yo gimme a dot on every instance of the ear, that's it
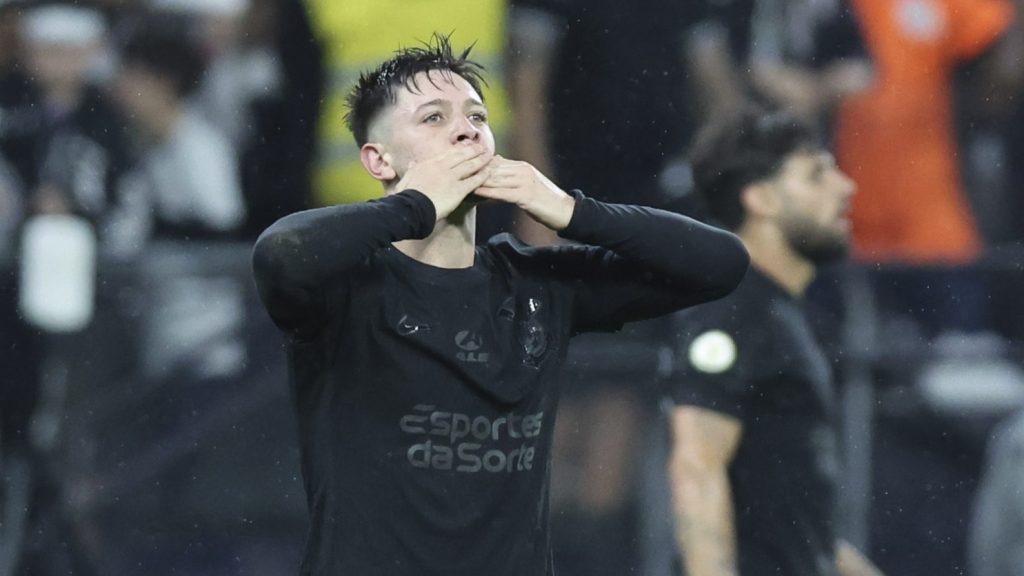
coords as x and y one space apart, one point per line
377 161
760 200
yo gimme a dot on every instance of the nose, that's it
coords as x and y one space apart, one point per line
465 132
844 186
849 186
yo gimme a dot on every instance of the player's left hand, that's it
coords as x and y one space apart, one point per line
521 184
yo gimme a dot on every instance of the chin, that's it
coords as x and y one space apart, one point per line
825 252
820 248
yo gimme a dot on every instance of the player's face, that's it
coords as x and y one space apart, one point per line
440 112
815 198
60 65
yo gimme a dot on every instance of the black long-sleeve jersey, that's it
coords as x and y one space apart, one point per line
753 356
426 396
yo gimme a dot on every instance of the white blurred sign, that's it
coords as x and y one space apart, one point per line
58 272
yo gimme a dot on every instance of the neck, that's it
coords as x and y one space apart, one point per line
452 244
773 256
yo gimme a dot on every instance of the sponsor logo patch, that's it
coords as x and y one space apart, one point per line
454 441
712 352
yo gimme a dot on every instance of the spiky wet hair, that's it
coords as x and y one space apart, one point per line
378 88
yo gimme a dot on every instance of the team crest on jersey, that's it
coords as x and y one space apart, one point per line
712 352
532 335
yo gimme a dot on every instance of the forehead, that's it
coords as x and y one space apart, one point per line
808 158
434 85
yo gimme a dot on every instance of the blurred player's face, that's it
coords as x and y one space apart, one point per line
144 94
444 112
815 201
60 66
222 33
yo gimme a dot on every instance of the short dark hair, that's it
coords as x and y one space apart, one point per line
376 89
736 150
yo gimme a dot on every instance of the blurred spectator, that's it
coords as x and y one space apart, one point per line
188 169
64 136
242 95
189 174
612 142
804 57
996 542
897 141
807 56
346 35
240 69
64 140
182 337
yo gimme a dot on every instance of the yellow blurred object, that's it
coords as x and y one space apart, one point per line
357 35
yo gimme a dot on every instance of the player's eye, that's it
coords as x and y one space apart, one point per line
433 118
478 117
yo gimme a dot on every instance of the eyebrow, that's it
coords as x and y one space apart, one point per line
823 160
444 103
434 102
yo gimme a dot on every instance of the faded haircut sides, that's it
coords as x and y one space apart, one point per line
378 88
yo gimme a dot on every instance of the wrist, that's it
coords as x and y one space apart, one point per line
578 214
566 206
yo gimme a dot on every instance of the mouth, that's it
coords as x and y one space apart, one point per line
473 200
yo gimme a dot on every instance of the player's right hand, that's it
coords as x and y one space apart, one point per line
448 178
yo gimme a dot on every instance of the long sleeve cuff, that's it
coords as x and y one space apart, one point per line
422 215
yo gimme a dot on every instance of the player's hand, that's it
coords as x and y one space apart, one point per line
521 184
448 178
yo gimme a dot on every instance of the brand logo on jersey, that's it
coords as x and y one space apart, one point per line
408 326
470 444
712 352
470 342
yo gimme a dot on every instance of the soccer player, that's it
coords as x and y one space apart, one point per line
425 367
754 463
